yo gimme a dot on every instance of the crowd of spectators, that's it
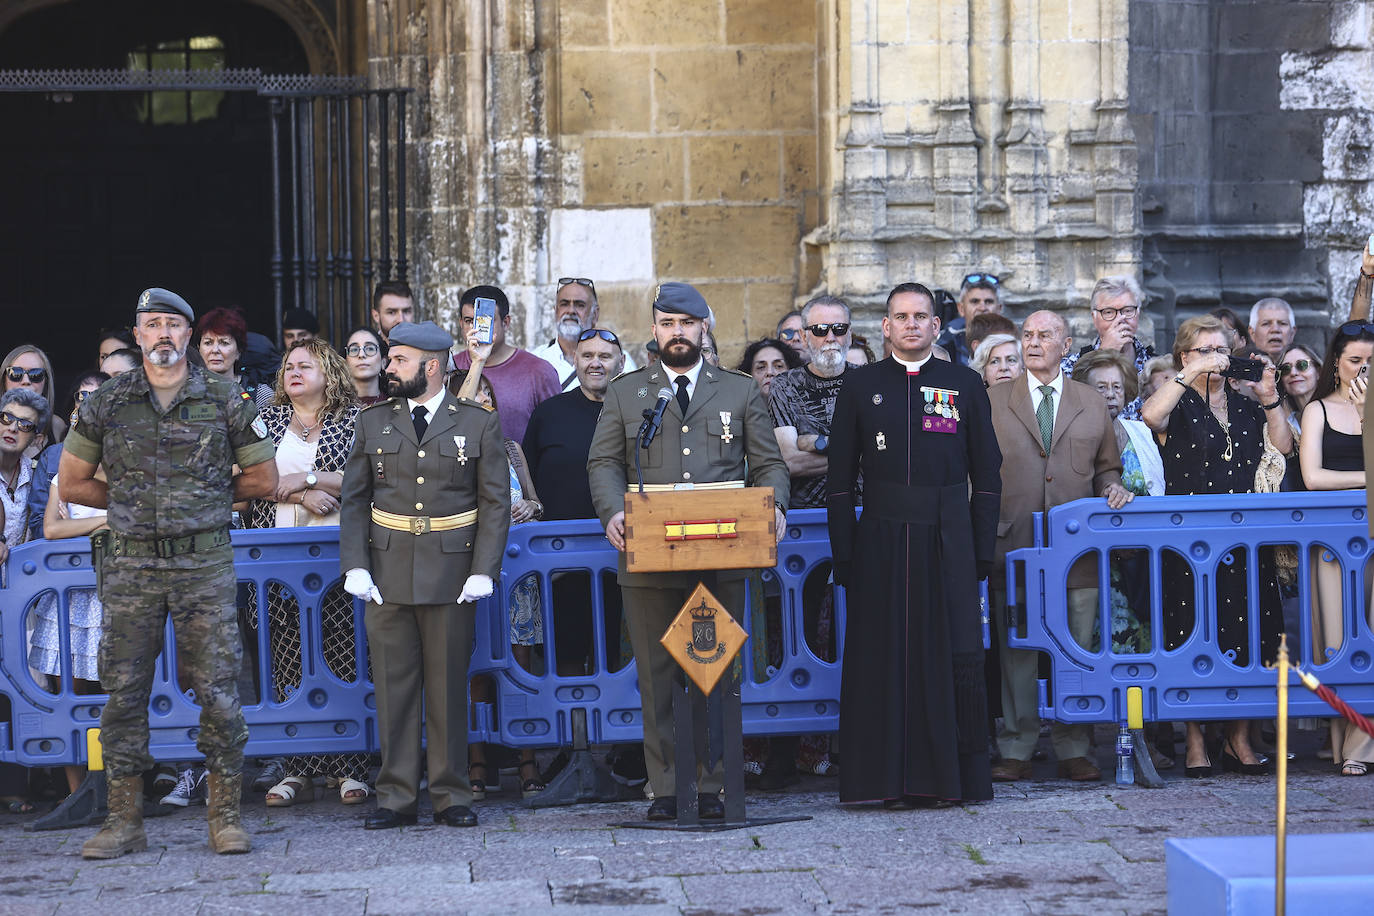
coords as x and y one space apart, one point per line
1180 423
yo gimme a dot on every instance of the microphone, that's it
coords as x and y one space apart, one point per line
654 419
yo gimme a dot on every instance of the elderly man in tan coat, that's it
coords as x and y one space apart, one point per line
1057 446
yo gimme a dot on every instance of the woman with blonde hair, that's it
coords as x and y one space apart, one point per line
311 419
26 366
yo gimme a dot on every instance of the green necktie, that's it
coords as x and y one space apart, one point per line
1044 414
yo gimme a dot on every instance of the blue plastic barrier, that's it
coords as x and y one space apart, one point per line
326 714
1195 681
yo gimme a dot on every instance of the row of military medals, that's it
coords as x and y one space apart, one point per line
941 401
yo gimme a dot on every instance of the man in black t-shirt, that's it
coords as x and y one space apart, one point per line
557 442
802 401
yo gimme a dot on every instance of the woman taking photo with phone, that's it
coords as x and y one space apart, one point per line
1212 439
1332 456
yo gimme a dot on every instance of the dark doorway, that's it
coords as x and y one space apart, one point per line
106 193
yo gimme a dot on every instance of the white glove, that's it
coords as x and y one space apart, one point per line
476 587
358 583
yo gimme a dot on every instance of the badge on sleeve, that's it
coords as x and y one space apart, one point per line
259 427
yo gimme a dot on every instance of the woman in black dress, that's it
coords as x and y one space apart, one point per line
1212 440
1332 456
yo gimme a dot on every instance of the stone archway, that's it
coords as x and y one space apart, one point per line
302 16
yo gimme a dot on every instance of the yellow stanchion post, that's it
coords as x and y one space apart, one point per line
95 752
1281 829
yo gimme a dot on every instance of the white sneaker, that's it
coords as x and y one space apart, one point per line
190 789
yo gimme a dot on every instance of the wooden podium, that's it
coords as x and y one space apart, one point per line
703 529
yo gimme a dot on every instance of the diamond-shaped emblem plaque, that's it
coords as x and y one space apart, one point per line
704 639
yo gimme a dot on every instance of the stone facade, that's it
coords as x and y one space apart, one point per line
767 150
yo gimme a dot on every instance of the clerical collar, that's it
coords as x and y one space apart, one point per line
912 366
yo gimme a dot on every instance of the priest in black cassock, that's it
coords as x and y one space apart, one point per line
913 705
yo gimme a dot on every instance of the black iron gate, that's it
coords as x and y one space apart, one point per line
338 170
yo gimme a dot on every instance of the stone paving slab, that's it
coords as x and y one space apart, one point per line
1041 846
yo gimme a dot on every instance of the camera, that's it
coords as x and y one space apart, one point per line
1244 370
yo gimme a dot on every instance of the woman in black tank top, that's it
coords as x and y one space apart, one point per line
1332 457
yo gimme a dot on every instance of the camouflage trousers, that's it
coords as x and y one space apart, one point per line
202 607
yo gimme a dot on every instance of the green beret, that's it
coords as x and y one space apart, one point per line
157 299
423 336
680 299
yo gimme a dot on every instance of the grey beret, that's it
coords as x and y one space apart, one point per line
680 298
423 336
157 299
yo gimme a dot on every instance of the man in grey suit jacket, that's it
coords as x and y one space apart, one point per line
1057 446
424 514
723 436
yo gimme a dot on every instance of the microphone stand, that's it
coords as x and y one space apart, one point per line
643 439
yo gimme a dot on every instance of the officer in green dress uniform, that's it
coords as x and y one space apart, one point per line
168 434
716 432
424 514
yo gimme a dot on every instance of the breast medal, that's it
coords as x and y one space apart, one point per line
882 442
461 442
725 434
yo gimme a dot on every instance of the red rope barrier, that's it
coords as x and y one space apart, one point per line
1336 703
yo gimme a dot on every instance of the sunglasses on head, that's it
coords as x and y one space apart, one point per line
25 426
580 281
1298 365
598 332
17 373
1349 329
840 328
974 279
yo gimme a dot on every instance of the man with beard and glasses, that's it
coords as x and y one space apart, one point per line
716 432
168 435
424 514
802 401
575 311
913 704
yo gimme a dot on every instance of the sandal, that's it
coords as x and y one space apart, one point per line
1354 768
19 806
479 786
531 784
347 789
283 794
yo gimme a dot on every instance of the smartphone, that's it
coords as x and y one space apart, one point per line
483 319
1364 371
1244 370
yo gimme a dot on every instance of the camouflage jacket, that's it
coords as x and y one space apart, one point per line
170 472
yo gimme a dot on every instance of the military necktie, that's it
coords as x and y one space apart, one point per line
682 399
421 424
1045 415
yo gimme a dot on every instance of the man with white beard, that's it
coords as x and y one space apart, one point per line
575 310
803 402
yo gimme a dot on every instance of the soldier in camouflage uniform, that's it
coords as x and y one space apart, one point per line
168 434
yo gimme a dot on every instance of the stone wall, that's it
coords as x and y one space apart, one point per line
981 135
1253 124
763 150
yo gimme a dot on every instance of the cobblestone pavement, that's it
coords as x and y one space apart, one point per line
1042 846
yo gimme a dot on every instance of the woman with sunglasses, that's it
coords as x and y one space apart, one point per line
26 366
1332 456
23 414
1212 438
365 354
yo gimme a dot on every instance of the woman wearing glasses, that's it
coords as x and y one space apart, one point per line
1332 456
1212 438
23 415
28 367
365 354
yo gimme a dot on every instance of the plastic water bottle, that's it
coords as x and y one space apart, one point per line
1125 762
